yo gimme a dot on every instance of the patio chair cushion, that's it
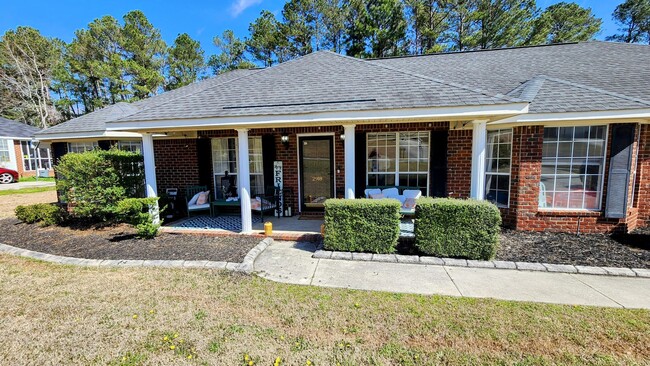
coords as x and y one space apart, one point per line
205 206
377 196
390 192
259 203
370 191
409 203
412 193
203 198
192 201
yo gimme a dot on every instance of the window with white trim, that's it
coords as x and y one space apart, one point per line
398 159
498 158
4 152
35 158
224 158
573 164
79 147
132 146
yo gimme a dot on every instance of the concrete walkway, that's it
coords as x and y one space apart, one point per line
293 263
21 185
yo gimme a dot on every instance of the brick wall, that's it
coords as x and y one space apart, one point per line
177 164
459 163
523 213
642 183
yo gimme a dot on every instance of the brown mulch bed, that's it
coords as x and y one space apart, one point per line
120 242
600 250
617 250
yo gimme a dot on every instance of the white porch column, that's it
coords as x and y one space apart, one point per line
479 141
244 179
150 172
349 161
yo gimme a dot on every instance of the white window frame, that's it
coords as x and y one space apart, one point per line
508 174
82 146
130 145
34 157
4 149
397 171
602 175
253 156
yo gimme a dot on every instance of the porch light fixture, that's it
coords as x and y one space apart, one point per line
342 137
285 140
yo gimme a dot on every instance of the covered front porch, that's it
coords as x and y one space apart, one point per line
312 164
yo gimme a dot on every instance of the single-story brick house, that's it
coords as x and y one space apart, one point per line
20 152
557 136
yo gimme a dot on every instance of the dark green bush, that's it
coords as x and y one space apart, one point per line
362 225
45 214
138 212
448 227
93 182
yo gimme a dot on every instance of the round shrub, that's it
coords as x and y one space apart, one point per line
362 225
447 227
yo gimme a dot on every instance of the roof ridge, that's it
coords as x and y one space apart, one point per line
598 90
530 88
448 83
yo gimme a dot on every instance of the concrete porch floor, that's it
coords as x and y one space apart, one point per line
293 223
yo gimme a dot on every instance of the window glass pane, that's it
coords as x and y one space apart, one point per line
498 166
572 177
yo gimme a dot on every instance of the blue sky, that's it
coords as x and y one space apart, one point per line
201 19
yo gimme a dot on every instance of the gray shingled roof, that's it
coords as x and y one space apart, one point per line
320 82
589 76
96 121
617 68
9 128
549 95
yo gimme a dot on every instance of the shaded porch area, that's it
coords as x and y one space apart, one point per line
289 228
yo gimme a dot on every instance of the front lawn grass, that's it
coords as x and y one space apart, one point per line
54 314
7 192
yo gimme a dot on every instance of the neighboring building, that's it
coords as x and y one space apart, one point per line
557 136
20 152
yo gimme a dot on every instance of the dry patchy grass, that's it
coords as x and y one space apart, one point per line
53 314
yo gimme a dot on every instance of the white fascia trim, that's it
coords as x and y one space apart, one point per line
88 135
634 114
464 112
16 138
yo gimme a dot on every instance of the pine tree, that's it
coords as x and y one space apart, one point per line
232 54
565 22
185 62
633 17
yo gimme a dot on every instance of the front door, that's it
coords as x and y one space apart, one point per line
316 157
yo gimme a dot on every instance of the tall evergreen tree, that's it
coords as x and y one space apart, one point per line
300 21
565 22
185 62
504 23
377 28
461 34
232 54
428 20
633 18
331 34
267 44
144 52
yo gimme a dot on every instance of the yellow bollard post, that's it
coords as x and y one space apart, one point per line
268 228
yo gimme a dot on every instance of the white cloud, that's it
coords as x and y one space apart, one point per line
238 6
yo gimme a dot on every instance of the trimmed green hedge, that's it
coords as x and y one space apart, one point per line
45 214
448 227
362 225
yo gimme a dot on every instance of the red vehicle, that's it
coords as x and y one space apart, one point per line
8 176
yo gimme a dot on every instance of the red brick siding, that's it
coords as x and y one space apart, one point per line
176 164
523 212
459 163
642 184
